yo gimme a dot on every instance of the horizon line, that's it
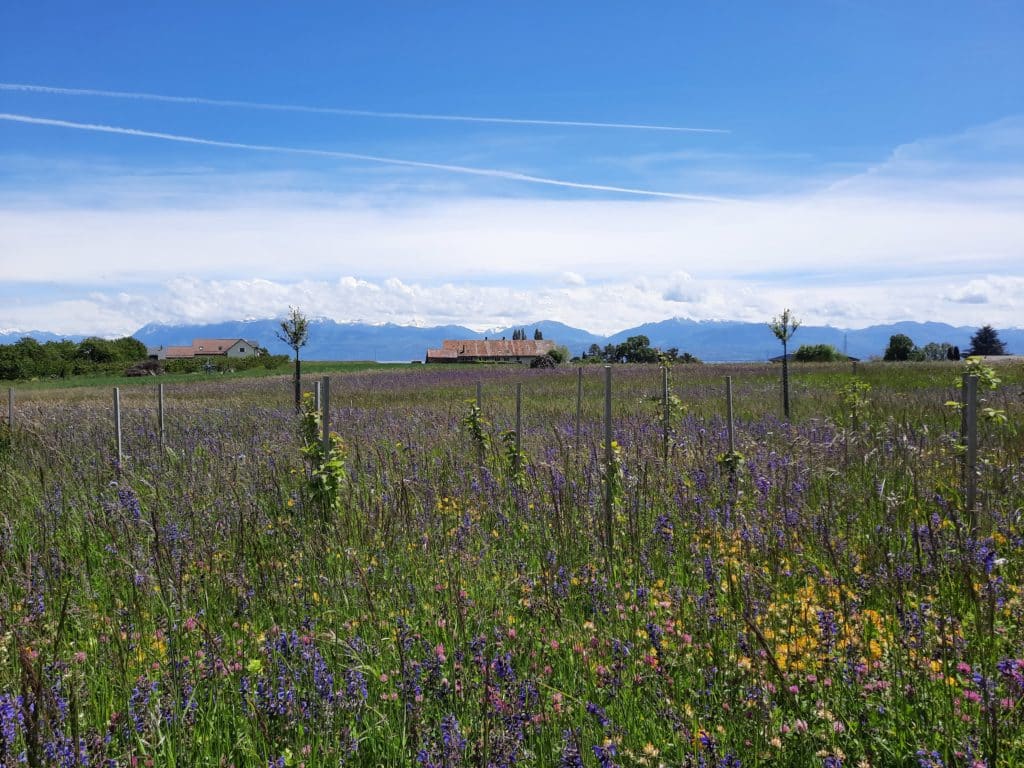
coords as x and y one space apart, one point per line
493 329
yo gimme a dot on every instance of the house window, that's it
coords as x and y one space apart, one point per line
241 349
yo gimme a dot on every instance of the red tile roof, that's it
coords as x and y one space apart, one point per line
180 352
213 346
493 349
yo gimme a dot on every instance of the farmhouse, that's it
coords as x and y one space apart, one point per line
489 351
207 348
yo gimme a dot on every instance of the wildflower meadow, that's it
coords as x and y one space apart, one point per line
431 587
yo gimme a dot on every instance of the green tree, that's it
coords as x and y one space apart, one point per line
936 351
784 326
818 353
901 347
96 351
129 350
986 341
537 335
295 333
559 354
636 349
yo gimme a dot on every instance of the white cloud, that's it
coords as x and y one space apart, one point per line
496 239
935 233
601 307
573 278
682 288
1000 293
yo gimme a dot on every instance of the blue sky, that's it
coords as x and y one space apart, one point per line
858 162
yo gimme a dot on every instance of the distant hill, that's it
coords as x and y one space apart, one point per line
718 341
575 339
710 340
9 337
328 340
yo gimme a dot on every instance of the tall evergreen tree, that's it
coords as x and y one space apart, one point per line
986 342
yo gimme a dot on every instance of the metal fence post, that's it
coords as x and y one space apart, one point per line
161 422
608 480
970 435
579 403
117 425
519 428
325 412
664 412
728 413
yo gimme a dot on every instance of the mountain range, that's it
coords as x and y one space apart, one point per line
709 340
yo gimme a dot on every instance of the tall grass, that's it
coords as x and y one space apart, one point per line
821 600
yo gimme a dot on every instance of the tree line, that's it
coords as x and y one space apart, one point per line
984 342
635 349
30 359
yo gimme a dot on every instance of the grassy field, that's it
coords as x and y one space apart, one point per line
118 380
418 593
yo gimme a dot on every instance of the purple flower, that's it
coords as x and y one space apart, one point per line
571 757
604 755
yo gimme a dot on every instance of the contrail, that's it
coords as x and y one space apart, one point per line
27 88
464 169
